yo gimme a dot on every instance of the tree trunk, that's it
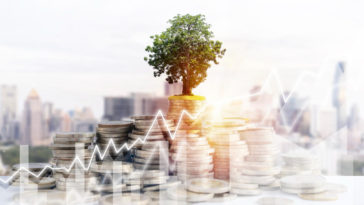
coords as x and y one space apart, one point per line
186 88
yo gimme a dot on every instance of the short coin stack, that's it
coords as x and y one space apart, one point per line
117 176
66 147
110 176
117 131
259 167
230 150
151 148
126 198
296 163
148 179
303 184
191 155
28 181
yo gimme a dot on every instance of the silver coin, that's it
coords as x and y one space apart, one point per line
132 198
245 192
303 181
303 190
181 194
274 201
164 186
223 198
323 196
237 185
205 185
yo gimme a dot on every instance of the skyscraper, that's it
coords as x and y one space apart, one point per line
8 110
32 122
116 108
339 95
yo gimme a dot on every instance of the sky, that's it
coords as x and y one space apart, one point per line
76 52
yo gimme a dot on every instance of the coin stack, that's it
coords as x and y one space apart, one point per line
191 155
201 190
117 131
190 152
42 180
230 150
148 179
110 176
303 184
296 163
191 104
54 197
129 198
259 167
70 148
151 148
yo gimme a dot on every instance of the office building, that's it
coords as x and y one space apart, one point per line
32 121
8 111
339 95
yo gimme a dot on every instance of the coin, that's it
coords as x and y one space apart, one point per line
243 186
245 192
335 188
303 181
274 201
110 188
303 190
323 196
130 198
225 197
143 117
164 186
181 194
205 185
113 124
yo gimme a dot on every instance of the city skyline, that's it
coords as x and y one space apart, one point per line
105 49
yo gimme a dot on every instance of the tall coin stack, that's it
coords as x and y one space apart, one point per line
230 150
190 152
66 147
191 155
259 167
151 154
117 131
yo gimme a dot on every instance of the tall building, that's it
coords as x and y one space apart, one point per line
140 104
47 118
8 110
32 121
261 107
173 89
294 115
323 121
117 108
339 95
83 120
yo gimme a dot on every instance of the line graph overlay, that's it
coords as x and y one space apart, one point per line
97 152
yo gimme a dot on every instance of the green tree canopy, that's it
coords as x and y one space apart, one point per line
184 51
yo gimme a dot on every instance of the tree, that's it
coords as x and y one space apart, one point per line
184 51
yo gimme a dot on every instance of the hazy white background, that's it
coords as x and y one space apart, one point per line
75 52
